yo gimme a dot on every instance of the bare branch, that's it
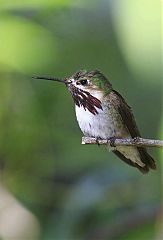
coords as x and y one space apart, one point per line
138 142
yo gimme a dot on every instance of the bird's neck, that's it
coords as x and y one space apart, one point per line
90 100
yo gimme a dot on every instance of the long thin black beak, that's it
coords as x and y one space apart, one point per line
50 79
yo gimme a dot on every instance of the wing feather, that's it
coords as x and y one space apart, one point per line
130 123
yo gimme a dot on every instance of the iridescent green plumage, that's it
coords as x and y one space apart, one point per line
97 79
103 113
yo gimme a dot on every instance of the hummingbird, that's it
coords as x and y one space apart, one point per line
103 113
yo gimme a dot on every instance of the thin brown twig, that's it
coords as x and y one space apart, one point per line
138 142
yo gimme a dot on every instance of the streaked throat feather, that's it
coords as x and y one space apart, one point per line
85 99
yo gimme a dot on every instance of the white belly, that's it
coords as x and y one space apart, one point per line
102 125
99 125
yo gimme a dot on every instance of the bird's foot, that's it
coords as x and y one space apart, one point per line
111 141
97 141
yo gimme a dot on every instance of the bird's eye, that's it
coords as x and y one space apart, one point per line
84 82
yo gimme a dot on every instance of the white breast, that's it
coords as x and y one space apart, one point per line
99 125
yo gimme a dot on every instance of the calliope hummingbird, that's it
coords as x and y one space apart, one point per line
103 113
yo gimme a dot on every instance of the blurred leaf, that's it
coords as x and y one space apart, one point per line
34 3
138 28
24 45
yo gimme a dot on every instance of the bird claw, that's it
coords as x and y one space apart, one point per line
97 141
111 141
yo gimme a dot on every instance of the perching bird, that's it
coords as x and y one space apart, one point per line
103 113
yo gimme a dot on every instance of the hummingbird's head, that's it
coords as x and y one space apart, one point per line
91 81
86 87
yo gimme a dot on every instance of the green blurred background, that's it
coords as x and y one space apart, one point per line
52 187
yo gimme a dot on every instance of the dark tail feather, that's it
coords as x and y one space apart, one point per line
145 158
